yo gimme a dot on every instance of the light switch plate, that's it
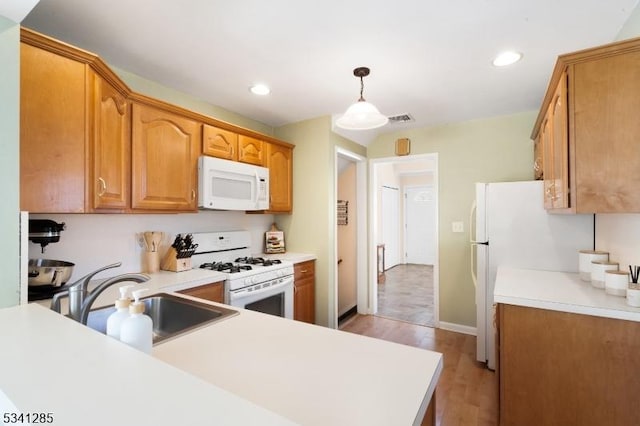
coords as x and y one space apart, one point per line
457 226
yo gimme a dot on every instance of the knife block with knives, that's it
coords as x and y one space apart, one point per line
178 257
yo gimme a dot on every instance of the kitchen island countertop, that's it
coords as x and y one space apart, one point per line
559 291
51 364
256 365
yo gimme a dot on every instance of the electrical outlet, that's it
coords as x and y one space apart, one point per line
457 226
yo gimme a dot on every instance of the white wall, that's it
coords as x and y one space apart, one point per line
619 234
95 240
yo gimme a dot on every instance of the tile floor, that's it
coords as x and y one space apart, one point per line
407 294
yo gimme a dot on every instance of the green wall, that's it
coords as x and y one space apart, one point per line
311 227
150 88
631 28
489 150
9 162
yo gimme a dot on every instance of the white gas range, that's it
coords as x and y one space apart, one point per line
254 283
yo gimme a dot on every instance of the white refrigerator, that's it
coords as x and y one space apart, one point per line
512 228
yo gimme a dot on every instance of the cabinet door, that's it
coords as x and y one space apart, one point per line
546 140
213 292
560 145
606 129
111 172
165 149
52 132
280 164
219 143
538 159
250 150
304 292
559 368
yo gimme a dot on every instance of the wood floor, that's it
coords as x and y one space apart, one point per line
407 294
467 392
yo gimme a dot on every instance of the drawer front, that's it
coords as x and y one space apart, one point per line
304 270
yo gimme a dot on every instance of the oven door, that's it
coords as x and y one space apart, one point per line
276 299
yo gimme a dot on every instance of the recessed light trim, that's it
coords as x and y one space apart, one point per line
260 89
507 58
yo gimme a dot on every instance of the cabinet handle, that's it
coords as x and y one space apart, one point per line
304 271
231 151
193 195
103 187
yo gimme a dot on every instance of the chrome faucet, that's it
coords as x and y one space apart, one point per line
81 299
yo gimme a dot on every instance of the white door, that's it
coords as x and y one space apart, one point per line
420 225
390 225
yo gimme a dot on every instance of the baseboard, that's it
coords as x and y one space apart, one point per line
458 328
351 312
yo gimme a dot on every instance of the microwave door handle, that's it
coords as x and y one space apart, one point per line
257 187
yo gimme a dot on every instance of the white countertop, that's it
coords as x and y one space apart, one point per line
49 363
305 373
559 291
310 374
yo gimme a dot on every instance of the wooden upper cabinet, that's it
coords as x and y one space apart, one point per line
111 174
219 143
251 150
165 149
280 164
606 130
592 103
53 105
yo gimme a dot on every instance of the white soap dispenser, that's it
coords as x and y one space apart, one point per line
114 322
137 329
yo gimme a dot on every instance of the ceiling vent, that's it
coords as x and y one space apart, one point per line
400 118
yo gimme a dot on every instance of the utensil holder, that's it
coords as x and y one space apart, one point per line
151 261
173 264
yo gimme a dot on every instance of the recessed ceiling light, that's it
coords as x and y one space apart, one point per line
260 89
507 58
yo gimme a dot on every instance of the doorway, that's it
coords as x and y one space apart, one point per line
350 207
408 290
390 224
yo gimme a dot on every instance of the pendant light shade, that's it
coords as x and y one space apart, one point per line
361 115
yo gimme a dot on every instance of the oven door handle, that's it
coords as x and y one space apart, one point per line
236 294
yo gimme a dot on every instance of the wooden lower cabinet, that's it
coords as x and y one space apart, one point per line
213 292
304 301
558 368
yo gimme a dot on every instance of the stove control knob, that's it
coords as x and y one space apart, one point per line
247 281
254 280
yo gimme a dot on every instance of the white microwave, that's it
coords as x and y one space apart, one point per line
230 185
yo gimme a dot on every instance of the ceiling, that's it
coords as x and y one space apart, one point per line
428 58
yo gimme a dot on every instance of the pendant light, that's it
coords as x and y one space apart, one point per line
361 115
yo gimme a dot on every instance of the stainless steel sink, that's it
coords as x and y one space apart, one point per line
171 315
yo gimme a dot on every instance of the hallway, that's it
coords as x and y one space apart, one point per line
407 294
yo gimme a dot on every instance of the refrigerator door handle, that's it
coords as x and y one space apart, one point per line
472 242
